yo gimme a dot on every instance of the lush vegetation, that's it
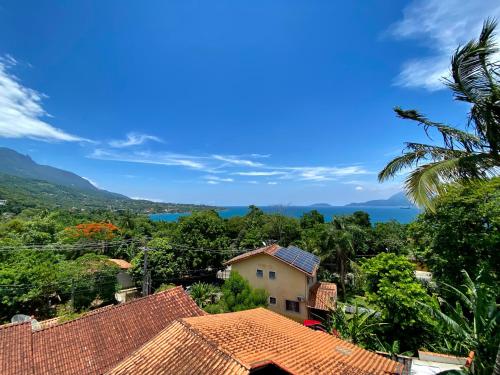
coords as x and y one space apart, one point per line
22 193
462 156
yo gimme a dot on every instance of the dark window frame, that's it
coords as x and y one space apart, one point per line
271 299
293 306
274 273
259 273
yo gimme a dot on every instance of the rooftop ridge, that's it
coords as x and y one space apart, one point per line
106 309
196 332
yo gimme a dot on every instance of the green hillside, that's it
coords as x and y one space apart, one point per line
23 193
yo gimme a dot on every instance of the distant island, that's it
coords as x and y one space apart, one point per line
320 205
26 184
396 200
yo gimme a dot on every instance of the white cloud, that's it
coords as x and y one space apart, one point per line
143 157
253 182
211 182
272 183
147 199
441 25
231 159
324 173
218 179
134 139
260 173
21 111
359 188
91 181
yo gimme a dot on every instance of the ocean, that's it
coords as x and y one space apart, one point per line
377 214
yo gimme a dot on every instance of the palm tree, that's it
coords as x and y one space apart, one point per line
358 328
341 238
463 155
473 321
202 293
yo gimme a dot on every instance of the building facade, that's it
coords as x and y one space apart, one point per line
289 276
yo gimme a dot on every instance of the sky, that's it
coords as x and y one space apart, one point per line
228 102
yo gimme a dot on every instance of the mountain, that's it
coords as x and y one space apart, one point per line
15 164
320 205
396 200
24 184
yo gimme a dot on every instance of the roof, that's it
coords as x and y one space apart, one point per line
123 264
322 296
239 342
97 341
15 349
291 255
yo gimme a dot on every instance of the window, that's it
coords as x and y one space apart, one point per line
292 306
260 273
272 275
272 300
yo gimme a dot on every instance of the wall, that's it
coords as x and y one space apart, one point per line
289 283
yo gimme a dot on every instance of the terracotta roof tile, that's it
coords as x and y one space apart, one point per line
97 341
234 343
323 296
262 250
123 264
15 349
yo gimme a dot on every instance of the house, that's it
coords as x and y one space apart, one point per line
256 341
288 274
3 202
166 333
127 291
95 342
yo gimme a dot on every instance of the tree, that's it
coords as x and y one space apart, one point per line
203 293
311 219
463 156
462 233
391 286
389 237
472 323
359 327
163 263
342 240
201 237
237 294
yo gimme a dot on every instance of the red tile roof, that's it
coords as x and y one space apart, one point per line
322 296
236 343
97 341
268 250
123 264
15 349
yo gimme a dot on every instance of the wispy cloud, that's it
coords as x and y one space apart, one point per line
441 25
218 179
144 157
231 159
21 111
260 173
324 173
223 168
91 181
134 139
272 183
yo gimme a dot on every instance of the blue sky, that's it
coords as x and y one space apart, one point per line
228 102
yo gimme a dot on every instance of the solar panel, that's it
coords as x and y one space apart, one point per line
298 258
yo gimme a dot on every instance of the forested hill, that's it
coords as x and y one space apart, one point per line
26 184
396 200
16 164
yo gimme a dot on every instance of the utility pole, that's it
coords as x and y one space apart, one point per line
72 295
146 279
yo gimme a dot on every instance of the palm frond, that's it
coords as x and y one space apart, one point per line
473 74
452 137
